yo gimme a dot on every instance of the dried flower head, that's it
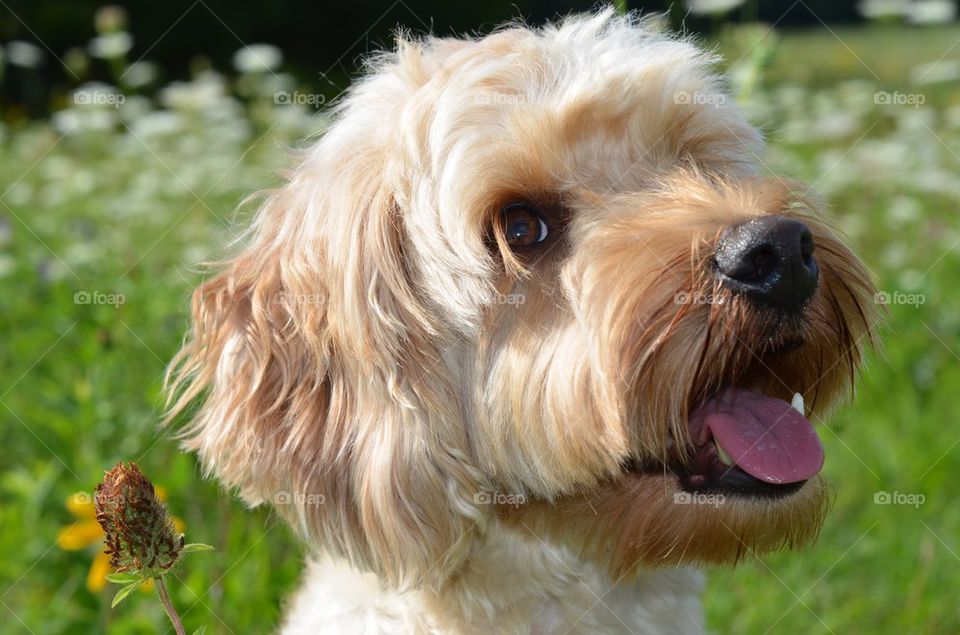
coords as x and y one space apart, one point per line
140 535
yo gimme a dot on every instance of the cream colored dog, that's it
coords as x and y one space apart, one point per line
514 346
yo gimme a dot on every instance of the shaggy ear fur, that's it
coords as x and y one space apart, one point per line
319 367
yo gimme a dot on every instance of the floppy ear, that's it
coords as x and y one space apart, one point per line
319 373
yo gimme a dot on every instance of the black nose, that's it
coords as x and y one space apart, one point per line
769 259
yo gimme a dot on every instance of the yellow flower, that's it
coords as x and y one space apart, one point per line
86 532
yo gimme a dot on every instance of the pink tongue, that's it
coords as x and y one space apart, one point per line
765 437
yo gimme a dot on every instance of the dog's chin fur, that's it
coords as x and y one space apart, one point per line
635 522
376 360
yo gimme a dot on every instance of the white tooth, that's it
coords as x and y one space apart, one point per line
797 403
723 456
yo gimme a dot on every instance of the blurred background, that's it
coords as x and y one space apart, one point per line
129 133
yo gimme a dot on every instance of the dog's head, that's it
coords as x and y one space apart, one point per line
542 266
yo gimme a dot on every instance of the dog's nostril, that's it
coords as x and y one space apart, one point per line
806 248
769 259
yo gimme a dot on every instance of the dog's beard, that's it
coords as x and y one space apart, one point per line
645 519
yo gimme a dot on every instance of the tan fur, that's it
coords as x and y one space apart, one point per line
355 365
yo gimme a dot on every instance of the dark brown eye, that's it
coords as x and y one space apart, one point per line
522 226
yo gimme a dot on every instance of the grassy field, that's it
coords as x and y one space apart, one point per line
104 213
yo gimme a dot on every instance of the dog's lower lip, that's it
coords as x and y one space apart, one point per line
733 480
722 479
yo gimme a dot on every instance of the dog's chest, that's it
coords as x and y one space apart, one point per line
512 586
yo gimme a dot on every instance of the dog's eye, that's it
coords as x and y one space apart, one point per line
522 226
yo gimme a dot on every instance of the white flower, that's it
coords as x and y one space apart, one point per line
257 58
875 9
24 54
894 256
936 72
74 120
932 12
140 74
157 124
707 7
903 210
911 279
834 125
206 92
110 45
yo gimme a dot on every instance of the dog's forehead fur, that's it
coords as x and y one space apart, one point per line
564 107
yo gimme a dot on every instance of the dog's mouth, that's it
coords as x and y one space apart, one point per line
749 442
743 442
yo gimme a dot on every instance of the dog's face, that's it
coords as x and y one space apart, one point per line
539 264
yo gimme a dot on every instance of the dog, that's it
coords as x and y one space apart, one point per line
526 339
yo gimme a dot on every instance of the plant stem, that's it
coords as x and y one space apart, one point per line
168 605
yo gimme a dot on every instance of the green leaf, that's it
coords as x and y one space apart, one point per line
124 592
123 578
200 631
195 546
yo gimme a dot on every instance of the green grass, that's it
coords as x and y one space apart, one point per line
130 212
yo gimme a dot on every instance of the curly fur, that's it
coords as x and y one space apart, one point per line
355 363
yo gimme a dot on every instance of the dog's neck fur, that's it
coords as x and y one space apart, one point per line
515 584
